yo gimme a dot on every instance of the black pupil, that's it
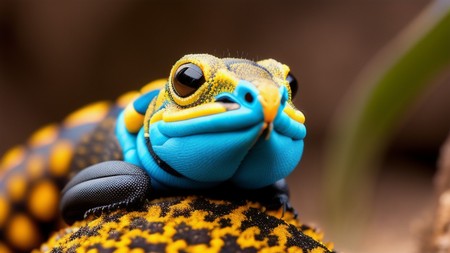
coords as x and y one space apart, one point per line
190 75
293 84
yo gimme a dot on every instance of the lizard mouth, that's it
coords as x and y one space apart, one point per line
220 116
228 103
227 114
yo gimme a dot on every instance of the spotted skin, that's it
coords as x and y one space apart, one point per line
190 224
32 176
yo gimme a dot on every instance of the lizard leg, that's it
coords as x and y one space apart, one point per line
276 196
104 186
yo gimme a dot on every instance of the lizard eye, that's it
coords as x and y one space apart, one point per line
293 84
188 78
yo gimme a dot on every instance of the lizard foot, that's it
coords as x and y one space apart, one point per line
103 187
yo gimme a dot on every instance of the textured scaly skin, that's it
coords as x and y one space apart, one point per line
190 224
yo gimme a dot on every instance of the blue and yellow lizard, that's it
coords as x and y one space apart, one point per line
225 128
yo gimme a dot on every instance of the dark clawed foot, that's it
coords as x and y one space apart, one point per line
97 211
276 197
281 201
104 187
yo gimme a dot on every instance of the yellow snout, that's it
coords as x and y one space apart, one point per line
270 98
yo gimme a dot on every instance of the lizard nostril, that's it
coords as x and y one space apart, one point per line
249 97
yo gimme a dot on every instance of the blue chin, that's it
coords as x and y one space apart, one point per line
203 160
209 150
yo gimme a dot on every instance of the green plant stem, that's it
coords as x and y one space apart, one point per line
372 110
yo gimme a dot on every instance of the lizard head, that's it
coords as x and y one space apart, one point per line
220 120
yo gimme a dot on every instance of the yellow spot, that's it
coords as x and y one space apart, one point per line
16 187
127 98
200 248
44 136
43 201
137 251
194 112
317 250
13 157
35 166
89 114
280 232
247 238
294 114
216 243
133 119
122 250
295 249
176 246
4 211
154 85
4 248
22 232
60 158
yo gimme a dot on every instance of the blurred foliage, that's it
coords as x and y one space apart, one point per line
374 107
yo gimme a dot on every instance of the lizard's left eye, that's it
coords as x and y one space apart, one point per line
293 84
188 78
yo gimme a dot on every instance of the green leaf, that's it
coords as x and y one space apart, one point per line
372 111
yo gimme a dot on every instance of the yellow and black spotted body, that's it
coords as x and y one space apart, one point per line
190 224
32 175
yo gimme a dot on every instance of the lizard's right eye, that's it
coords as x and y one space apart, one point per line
188 78
293 84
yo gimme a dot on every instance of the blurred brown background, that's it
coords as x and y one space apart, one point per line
56 56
